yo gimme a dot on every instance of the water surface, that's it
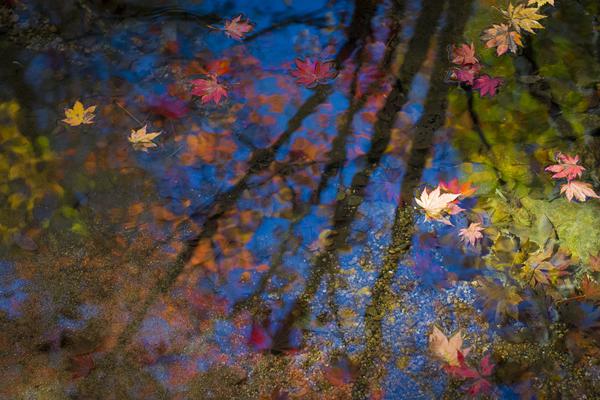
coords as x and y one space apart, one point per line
270 245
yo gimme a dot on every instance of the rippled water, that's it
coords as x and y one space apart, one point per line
269 246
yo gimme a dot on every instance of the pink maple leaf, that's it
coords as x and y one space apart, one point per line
466 73
236 28
580 190
566 168
487 85
311 73
471 234
209 89
463 54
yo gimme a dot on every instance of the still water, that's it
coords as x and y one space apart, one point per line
318 199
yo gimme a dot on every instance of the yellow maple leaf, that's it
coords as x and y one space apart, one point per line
540 3
522 17
141 139
79 115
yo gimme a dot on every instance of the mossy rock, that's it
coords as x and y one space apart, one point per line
577 224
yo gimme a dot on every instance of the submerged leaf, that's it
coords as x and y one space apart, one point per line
471 234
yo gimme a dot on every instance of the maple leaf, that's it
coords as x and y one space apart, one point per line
446 349
236 28
523 17
580 190
311 73
464 54
209 89
566 168
141 139
436 204
590 289
454 186
540 3
502 38
465 74
487 85
480 386
594 262
499 298
461 370
471 234
79 115
545 267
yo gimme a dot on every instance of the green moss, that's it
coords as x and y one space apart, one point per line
577 224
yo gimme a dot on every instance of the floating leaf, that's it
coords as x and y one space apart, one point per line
566 168
446 349
436 204
209 89
540 3
237 28
312 73
142 140
580 190
79 115
523 17
502 38
465 189
465 74
487 85
464 54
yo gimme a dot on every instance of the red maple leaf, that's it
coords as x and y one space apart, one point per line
566 168
480 384
236 28
487 85
311 73
209 89
453 186
462 370
464 54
